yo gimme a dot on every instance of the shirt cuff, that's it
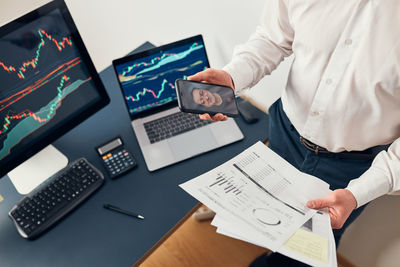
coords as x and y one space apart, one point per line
370 185
241 74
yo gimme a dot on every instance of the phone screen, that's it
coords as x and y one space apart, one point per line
199 97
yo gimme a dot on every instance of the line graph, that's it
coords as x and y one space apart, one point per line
39 83
34 62
28 124
146 90
159 59
148 82
45 82
127 74
151 105
36 116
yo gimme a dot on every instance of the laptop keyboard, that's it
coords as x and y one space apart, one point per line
172 125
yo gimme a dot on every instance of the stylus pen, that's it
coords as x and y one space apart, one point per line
114 208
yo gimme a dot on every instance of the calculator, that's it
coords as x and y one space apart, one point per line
116 158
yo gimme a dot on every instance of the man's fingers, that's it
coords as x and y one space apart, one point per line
209 76
214 76
201 76
216 117
205 116
219 117
319 203
341 202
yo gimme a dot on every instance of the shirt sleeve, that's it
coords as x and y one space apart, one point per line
266 48
381 178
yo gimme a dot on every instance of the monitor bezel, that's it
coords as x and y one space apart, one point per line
11 161
147 53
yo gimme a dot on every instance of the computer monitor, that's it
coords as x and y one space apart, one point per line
48 83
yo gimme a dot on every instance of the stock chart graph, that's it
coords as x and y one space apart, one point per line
43 80
148 82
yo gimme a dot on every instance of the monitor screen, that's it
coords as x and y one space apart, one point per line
147 79
48 82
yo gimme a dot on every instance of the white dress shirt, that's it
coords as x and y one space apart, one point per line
343 89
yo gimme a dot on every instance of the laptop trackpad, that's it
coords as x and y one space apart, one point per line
192 143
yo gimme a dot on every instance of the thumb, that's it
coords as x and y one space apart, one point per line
200 76
319 203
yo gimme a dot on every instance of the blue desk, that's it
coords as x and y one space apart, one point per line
92 236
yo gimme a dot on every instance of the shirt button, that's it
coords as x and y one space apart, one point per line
315 113
328 81
348 42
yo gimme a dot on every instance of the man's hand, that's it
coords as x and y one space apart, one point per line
340 204
214 76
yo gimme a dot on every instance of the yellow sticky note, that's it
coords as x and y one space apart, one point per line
309 244
1 198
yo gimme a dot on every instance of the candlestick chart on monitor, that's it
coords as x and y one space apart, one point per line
42 80
149 81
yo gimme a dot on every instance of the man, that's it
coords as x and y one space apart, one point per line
214 99
339 115
206 98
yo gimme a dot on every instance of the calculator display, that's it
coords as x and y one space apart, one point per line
110 146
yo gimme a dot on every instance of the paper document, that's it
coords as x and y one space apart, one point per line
259 193
312 244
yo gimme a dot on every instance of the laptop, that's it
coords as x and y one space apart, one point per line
164 133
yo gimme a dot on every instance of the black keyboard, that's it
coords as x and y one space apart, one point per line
43 207
172 125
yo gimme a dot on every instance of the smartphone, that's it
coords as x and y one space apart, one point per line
197 97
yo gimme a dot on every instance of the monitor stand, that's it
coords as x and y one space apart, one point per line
37 169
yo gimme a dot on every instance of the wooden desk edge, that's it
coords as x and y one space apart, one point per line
168 234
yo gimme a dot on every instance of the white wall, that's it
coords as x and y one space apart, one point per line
110 29
374 238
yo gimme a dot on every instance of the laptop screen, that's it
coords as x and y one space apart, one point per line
147 79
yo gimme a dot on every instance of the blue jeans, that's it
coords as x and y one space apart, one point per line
332 168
